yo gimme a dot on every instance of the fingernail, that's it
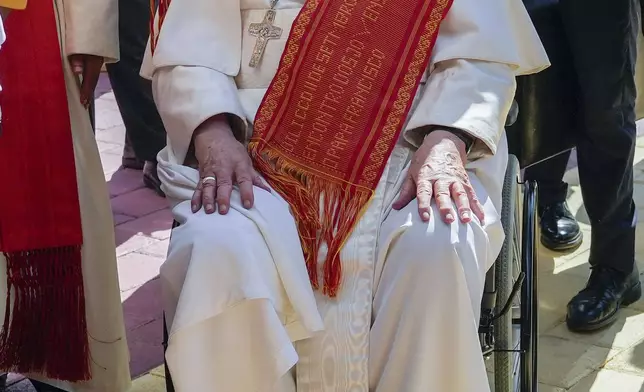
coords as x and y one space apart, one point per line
210 207
466 215
425 216
449 217
223 209
247 204
194 208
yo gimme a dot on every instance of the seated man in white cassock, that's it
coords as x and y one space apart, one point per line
336 170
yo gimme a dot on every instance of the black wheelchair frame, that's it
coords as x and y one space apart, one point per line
514 272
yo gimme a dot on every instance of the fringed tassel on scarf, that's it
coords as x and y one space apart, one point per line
324 211
44 288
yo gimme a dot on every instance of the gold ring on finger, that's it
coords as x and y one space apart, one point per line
205 180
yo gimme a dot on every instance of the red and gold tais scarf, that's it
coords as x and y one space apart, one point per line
44 327
334 111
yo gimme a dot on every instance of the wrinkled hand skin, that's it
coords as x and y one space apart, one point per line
224 162
437 171
87 68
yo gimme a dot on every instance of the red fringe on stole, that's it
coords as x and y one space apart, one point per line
45 285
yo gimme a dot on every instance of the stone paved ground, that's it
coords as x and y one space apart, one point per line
610 361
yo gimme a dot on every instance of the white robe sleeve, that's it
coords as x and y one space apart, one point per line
190 82
91 27
480 49
474 96
187 96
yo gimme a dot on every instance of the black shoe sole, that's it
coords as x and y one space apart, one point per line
630 296
567 246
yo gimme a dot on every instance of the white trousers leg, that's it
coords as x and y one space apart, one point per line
429 284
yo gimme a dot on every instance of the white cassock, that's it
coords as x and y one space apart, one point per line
91 27
241 311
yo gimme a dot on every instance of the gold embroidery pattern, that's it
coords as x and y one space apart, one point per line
385 141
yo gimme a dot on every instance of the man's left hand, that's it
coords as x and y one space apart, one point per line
88 67
438 172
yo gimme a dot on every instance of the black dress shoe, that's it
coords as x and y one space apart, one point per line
129 159
559 228
606 292
151 178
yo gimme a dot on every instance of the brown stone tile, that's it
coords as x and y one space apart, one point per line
123 181
150 333
562 363
627 331
107 146
138 203
576 264
156 225
109 123
639 240
144 357
549 388
638 195
120 219
135 269
148 383
630 360
609 381
111 162
143 304
159 371
127 243
158 249
554 293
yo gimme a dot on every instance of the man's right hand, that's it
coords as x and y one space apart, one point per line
223 162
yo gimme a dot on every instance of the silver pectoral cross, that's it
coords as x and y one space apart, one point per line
264 32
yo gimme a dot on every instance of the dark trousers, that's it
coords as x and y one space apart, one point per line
133 93
595 42
549 174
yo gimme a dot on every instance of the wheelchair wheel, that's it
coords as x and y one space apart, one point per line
528 320
506 272
515 324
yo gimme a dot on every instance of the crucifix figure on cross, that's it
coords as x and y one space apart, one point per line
264 32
